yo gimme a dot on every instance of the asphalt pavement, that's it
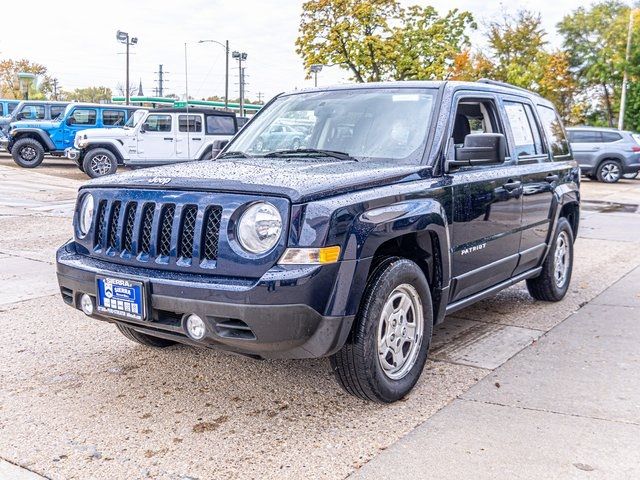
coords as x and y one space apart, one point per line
79 401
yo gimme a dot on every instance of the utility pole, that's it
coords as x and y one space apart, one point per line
160 80
625 79
260 95
55 89
241 56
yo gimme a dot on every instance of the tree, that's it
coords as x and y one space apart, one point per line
470 66
88 94
379 40
595 40
10 85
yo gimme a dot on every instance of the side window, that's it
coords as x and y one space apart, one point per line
11 107
190 123
220 125
113 118
158 123
585 136
475 116
83 116
554 131
608 137
57 110
32 112
526 136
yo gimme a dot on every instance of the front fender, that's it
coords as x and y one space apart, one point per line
18 133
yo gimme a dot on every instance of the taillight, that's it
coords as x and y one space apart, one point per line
635 148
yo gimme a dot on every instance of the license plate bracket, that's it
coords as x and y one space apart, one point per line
121 297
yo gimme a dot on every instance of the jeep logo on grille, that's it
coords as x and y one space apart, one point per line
159 180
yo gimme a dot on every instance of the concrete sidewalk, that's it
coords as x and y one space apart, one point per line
568 406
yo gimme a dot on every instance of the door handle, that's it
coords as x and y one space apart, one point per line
169 138
512 185
196 138
552 178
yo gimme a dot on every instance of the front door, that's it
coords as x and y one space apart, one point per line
487 206
79 118
156 138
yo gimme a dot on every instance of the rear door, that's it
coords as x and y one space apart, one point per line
586 145
190 138
487 210
539 178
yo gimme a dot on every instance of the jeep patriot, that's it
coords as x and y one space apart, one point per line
406 202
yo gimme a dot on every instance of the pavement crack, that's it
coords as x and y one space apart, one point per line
554 412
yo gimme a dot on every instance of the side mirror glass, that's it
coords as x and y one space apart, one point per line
143 128
20 116
71 121
480 149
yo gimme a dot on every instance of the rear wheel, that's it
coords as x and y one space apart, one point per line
553 282
387 349
143 339
27 152
99 162
609 171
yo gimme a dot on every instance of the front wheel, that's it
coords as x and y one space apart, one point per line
553 282
27 152
99 162
387 348
609 171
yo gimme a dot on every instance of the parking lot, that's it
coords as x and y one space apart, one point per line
81 401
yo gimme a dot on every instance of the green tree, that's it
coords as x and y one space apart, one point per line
88 94
380 40
595 40
10 85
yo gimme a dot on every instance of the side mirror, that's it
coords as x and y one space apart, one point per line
143 128
480 149
20 116
71 121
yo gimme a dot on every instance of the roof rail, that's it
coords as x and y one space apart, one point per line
506 85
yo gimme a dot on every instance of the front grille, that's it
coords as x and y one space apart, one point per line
146 231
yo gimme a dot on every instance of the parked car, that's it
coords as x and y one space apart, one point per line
154 137
393 215
29 141
605 154
33 110
281 136
7 106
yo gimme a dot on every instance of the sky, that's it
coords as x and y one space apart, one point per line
76 40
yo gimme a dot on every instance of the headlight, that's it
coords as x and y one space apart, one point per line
85 215
259 228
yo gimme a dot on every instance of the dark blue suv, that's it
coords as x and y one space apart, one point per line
407 202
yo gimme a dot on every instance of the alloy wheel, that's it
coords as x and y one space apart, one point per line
100 165
561 259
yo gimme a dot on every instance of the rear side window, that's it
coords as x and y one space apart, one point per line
158 123
524 128
190 123
219 125
57 110
1 109
32 112
584 136
11 107
83 116
608 137
554 131
113 118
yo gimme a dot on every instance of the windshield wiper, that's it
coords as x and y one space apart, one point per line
234 154
312 152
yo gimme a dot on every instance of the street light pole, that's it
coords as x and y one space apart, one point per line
315 69
240 56
625 78
123 37
224 45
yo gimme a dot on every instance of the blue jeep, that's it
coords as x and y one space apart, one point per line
28 141
409 201
33 110
7 106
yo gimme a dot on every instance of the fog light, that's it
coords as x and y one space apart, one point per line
195 327
86 304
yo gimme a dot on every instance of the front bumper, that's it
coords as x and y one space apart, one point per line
4 143
72 154
266 318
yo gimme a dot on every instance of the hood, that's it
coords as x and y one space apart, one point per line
41 124
298 180
106 132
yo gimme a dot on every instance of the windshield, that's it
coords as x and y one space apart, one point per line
362 123
135 118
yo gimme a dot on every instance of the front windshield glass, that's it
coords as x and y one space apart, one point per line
363 123
135 118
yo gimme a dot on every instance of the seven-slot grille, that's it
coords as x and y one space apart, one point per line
145 230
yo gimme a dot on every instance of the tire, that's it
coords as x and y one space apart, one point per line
358 366
630 176
552 284
27 152
609 171
143 339
99 162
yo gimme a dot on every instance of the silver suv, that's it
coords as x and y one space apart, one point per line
605 153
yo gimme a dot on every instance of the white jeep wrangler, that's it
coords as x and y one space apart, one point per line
154 137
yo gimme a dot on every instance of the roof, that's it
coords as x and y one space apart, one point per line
104 105
598 129
205 111
45 102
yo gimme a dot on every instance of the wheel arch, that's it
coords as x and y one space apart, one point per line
36 134
107 146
